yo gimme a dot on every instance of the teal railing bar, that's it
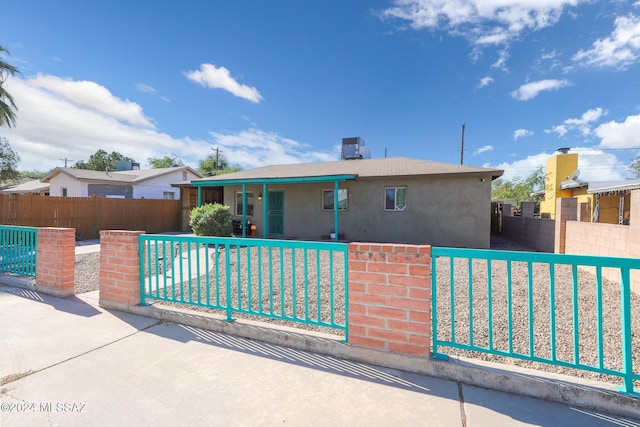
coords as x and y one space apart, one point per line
574 305
452 295
530 307
331 289
489 305
627 342
227 255
470 293
260 307
282 282
575 262
294 284
599 317
215 274
306 284
552 309
509 307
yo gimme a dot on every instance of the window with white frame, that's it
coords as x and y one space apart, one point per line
395 198
328 199
168 195
64 192
239 210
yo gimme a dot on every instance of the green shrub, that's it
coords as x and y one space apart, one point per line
211 220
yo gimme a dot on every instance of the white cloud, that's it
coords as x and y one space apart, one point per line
522 168
521 133
531 90
89 95
254 148
501 62
485 81
483 21
594 165
52 125
143 87
619 50
617 135
582 124
483 149
220 78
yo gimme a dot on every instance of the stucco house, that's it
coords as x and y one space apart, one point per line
34 186
398 200
126 184
599 201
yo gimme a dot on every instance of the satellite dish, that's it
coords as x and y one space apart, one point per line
575 175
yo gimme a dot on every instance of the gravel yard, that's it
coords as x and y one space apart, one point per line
86 279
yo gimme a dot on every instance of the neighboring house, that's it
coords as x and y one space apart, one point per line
34 186
396 200
599 201
127 184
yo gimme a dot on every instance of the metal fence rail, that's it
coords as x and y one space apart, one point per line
296 281
483 301
18 250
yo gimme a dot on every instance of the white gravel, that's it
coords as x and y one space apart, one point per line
86 279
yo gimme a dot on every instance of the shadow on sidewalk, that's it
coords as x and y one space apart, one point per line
71 304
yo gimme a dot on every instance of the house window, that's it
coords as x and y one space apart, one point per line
184 175
395 198
64 191
328 200
168 195
239 210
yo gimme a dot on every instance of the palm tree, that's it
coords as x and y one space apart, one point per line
7 105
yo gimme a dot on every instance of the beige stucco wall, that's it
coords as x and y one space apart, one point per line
445 211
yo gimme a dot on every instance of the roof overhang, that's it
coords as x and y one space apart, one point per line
270 181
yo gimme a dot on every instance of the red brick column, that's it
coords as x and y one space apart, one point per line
119 268
56 261
390 297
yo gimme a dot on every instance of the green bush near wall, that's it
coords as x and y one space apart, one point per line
212 220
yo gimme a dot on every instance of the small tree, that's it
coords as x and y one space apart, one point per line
8 161
103 161
519 190
171 161
216 165
634 167
212 220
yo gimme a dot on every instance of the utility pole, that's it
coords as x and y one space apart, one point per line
218 159
65 161
462 147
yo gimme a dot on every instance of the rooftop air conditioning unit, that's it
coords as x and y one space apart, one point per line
353 148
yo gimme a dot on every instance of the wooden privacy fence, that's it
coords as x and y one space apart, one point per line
89 215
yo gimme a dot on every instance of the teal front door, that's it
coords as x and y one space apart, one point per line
275 212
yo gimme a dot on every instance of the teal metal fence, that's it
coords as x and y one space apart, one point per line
18 250
540 307
296 281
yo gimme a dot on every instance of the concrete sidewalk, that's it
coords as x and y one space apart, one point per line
69 362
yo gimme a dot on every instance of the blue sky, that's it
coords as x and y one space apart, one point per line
284 81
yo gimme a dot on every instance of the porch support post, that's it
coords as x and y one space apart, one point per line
264 210
621 209
244 210
335 210
199 196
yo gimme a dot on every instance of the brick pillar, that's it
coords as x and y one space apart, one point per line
119 268
390 297
56 261
566 210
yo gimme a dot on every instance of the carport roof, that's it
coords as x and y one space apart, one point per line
343 170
